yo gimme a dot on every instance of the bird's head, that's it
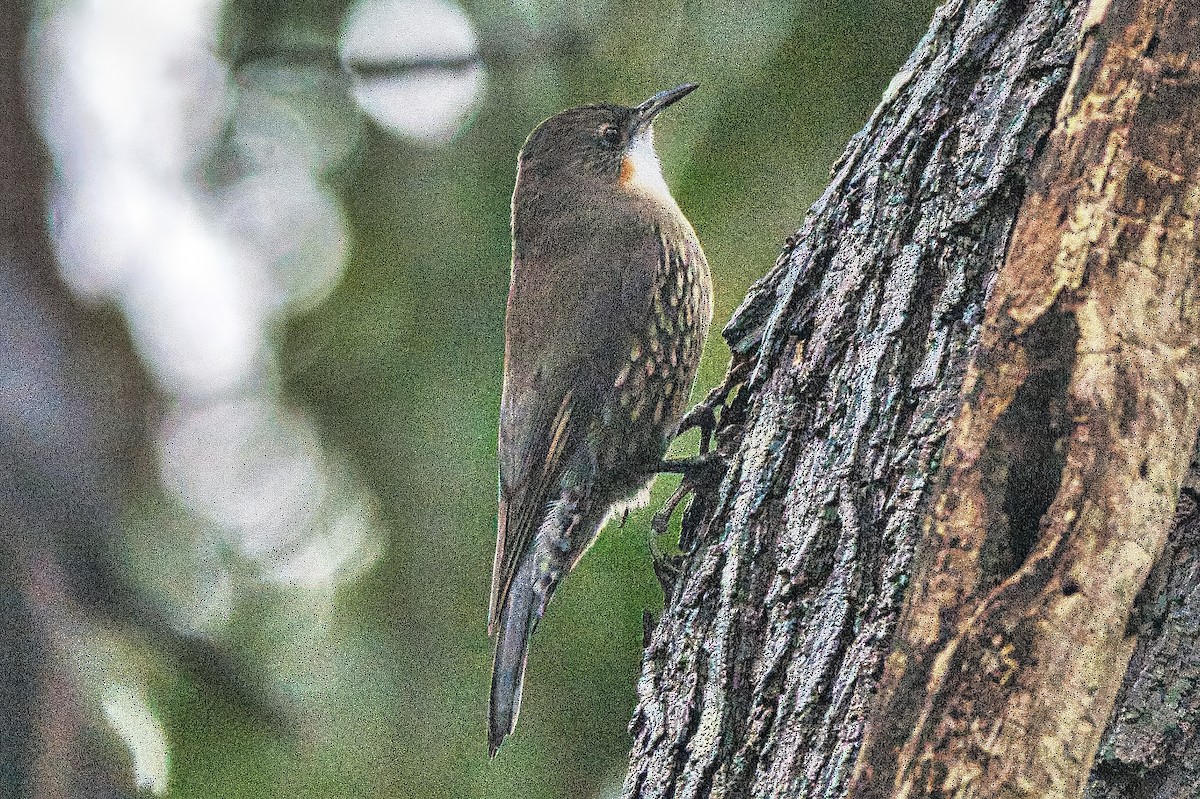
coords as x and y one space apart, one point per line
611 144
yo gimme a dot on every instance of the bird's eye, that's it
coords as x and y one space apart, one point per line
610 135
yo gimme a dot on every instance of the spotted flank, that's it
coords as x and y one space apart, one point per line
654 382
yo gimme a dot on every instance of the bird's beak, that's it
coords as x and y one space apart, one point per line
647 110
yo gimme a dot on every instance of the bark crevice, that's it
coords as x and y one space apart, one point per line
1024 457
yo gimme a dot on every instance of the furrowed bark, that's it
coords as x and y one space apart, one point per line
1065 461
853 349
1151 749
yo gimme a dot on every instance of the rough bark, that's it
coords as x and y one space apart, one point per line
1066 458
1151 749
849 360
758 677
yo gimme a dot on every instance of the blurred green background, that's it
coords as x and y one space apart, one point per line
397 364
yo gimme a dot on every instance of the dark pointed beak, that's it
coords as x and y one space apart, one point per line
647 110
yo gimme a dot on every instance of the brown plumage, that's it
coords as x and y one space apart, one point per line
608 308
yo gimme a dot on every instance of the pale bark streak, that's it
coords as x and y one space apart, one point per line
1019 619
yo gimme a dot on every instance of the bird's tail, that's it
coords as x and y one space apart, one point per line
512 649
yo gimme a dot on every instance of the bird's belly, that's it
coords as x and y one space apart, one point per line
651 391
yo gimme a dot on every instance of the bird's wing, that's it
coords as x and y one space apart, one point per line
571 324
523 502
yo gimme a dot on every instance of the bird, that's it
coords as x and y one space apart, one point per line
609 303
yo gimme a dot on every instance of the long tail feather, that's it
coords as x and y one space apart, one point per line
512 649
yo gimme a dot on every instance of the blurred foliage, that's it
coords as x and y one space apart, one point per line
401 366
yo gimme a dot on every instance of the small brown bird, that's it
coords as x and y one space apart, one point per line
608 308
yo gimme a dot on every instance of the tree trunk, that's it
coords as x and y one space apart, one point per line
1066 458
849 363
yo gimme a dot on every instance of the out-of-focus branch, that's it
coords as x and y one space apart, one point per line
73 398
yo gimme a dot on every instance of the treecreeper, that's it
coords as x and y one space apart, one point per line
608 308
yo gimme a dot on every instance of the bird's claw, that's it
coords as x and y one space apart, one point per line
666 566
662 519
699 472
703 414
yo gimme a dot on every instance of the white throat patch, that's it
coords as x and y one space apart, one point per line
642 173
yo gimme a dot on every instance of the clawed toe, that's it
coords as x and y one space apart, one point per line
700 470
666 566
704 414
704 417
662 519
699 473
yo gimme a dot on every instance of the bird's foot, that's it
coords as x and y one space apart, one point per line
700 472
703 414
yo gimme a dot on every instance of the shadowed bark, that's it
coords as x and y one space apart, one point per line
1151 749
850 358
